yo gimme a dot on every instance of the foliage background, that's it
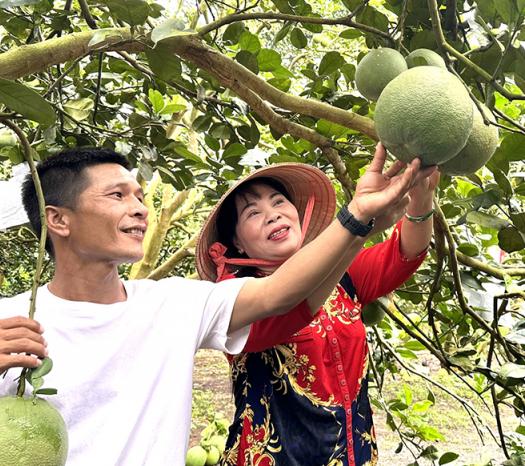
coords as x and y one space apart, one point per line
194 93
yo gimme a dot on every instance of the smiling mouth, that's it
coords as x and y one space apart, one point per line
136 232
278 233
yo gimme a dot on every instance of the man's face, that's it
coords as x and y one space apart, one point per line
109 220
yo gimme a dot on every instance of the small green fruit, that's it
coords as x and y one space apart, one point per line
372 313
219 442
214 455
196 456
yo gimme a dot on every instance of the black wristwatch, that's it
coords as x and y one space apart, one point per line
353 225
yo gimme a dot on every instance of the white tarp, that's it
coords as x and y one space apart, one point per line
11 210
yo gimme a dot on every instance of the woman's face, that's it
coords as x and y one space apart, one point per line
268 224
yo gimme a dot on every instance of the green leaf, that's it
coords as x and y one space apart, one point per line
170 28
185 153
351 34
7 138
27 102
468 249
519 221
407 392
164 63
79 109
352 4
11 3
329 129
283 32
283 6
202 123
46 391
156 99
331 62
510 370
101 37
268 60
133 12
421 407
373 17
298 39
36 376
212 143
507 10
511 239
283 84
414 345
502 181
233 33
512 147
234 150
249 42
486 220
248 60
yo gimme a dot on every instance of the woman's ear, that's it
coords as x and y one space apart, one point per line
237 244
57 221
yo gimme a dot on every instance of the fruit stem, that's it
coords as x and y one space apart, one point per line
43 233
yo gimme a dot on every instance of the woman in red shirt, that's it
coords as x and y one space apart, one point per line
300 385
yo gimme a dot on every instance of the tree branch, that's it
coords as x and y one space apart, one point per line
345 21
25 60
446 47
184 251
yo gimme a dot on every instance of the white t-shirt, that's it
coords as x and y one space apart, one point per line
123 371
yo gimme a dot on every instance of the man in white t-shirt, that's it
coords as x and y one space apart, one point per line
123 351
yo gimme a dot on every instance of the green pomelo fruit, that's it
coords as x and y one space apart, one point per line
480 147
32 433
196 456
376 69
425 57
219 442
425 112
214 455
372 313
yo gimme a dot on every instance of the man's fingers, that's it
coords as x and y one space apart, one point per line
19 321
378 162
22 345
19 333
18 360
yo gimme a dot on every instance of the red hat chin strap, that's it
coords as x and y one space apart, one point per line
217 250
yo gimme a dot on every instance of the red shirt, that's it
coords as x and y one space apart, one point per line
300 386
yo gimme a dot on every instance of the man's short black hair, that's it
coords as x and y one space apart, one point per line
63 178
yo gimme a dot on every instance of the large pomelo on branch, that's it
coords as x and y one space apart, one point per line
32 433
425 112
425 57
480 147
376 69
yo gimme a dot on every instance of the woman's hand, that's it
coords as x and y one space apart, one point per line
386 194
421 195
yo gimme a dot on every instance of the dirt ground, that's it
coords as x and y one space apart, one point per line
212 395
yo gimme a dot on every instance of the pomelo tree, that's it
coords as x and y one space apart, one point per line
194 93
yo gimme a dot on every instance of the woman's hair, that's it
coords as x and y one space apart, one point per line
227 218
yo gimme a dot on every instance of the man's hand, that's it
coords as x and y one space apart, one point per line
386 194
20 341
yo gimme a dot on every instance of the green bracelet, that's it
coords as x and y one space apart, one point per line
419 218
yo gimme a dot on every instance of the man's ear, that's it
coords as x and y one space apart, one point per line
57 221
